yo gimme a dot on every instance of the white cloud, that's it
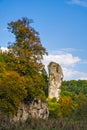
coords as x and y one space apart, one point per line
63 59
83 78
68 73
78 2
82 75
4 49
73 74
68 63
65 51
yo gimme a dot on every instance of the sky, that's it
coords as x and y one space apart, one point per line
62 27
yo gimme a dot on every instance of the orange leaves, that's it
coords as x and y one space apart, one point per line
65 100
27 48
22 75
25 33
12 91
65 106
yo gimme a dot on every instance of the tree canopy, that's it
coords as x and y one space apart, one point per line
22 73
27 47
73 101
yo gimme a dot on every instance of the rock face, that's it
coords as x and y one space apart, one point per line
55 80
36 109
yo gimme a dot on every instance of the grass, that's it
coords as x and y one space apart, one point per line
49 124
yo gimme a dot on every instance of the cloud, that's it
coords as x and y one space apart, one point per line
82 75
63 59
68 63
65 50
82 3
68 73
73 74
4 49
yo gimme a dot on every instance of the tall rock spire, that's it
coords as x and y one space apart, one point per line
55 80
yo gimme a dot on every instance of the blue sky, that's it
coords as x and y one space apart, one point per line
62 25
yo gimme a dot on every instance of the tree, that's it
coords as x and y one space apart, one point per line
81 111
12 91
28 52
27 48
12 85
65 106
53 107
77 91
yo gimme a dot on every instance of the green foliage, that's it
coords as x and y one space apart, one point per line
12 91
72 103
12 86
81 111
35 87
28 52
22 74
75 87
53 107
27 48
77 91
65 106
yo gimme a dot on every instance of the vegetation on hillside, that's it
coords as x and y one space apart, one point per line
73 101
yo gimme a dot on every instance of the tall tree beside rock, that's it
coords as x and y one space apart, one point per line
28 53
27 47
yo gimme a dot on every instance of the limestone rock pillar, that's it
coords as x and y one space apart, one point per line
55 80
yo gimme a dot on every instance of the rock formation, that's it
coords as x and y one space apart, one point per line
36 109
55 80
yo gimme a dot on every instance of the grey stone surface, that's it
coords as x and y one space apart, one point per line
37 109
55 80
